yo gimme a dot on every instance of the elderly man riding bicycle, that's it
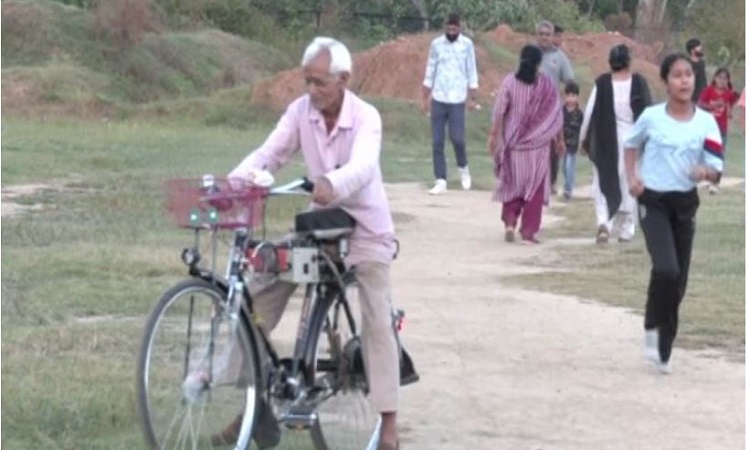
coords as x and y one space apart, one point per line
339 135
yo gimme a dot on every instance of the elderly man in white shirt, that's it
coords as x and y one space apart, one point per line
451 71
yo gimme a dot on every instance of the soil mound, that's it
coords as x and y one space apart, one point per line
395 69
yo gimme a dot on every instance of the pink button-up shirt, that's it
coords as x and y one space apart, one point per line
349 157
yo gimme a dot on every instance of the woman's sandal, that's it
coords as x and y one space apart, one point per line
602 235
510 234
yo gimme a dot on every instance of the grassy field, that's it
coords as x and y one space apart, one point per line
80 274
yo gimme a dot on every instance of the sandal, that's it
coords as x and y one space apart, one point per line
510 234
602 235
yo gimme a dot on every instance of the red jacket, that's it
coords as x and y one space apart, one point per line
719 103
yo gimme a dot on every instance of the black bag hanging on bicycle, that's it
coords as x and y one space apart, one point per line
408 374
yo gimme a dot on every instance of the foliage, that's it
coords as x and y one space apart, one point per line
621 22
562 12
124 22
482 14
721 29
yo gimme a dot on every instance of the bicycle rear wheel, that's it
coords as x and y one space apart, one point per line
197 370
346 420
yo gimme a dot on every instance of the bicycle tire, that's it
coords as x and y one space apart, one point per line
182 404
346 421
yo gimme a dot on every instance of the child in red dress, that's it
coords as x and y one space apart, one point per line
718 98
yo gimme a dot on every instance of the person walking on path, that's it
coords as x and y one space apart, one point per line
616 101
695 50
555 64
719 98
672 147
451 72
526 120
572 121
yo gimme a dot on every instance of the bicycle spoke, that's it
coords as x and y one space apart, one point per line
194 362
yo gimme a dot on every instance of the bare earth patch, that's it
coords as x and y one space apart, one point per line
10 194
10 208
505 368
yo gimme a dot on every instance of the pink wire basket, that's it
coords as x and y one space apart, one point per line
194 203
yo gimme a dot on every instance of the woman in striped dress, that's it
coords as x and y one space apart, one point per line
526 119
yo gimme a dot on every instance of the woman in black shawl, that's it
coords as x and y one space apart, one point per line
616 101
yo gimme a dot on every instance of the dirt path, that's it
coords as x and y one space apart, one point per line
505 368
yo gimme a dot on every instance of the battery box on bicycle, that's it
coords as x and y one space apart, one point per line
297 260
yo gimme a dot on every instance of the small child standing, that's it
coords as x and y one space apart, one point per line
718 98
572 120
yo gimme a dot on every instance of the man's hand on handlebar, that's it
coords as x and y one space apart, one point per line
323 191
260 178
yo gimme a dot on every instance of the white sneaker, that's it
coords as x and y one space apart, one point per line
463 172
651 350
664 367
441 187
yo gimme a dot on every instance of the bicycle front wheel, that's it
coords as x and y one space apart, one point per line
346 420
198 374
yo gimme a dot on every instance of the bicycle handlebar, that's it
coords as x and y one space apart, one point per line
300 186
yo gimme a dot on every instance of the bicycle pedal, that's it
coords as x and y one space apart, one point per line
300 417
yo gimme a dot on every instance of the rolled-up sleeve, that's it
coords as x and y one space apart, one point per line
280 145
713 149
472 68
365 157
429 75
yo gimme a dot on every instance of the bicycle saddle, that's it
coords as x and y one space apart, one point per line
325 224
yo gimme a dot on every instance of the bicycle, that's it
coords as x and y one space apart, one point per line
213 347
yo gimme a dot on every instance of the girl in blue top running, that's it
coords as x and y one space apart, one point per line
671 147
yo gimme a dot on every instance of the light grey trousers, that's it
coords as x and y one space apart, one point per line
379 345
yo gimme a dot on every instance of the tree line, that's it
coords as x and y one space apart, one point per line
720 23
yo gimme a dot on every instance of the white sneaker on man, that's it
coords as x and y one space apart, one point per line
441 187
463 172
664 368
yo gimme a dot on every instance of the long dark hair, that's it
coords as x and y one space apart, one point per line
619 58
531 57
725 71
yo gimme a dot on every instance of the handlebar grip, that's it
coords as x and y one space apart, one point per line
307 185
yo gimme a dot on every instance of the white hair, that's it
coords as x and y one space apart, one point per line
545 24
341 59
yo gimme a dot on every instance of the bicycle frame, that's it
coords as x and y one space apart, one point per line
239 304
326 360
